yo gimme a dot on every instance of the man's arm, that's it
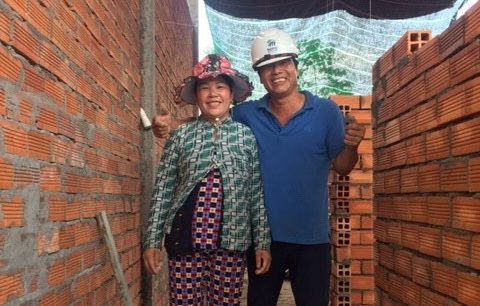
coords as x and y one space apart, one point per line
163 124
346 160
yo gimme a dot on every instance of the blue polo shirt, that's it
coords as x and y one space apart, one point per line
294 163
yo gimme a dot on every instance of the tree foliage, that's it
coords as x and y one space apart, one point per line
318 73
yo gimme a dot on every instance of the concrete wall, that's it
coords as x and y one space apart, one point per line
71 143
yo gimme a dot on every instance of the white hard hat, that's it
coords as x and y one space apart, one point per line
272 45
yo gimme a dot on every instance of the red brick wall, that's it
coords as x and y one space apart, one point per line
426 170
351 217
70 143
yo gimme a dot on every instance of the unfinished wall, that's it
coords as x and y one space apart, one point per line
70 144
351 217
427 167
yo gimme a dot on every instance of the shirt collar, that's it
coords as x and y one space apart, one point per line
263 102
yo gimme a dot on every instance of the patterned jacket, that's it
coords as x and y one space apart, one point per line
192 150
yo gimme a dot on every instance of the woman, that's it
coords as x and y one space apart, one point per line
208 196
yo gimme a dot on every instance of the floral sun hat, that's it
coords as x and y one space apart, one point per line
212 66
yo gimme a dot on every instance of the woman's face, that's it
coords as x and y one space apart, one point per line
214 97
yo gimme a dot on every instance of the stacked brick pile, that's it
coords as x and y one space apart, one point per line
351 217
426 105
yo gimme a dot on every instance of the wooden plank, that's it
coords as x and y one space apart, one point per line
112 251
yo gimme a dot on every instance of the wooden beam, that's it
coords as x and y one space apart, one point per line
112 251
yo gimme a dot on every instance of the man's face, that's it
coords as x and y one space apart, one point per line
279 78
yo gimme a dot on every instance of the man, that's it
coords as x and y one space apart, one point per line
299 136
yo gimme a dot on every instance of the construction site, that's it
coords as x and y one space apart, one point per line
78 163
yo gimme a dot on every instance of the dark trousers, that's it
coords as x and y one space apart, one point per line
309 269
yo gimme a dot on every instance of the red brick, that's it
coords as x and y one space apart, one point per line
346 103
5 28
474 175
392 181
406 70
26 112
381 278
456 247
451 105
50 179
452 38
430 298
15 139
444 279
409 179
465 64
426 116
380 230
26 42
454 176
365 102
12 287
382 159
472 96
431 241
341 270
398 154
464 137
10 66
360 207
394 232
421 271
341 254
366 161
469 290
378 137
411 292
418 209
429 178
48 242
472 22
439 210
416 150
39 146
6 174
403 262
401 208
411 236
392 131
475 252
427 56
341 238
466 213
362 282
437 79
12 211
438 144
416 91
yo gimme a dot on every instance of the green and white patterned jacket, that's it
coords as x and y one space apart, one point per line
191 151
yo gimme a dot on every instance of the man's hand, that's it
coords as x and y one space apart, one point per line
354 132
263 259
151 259
161 124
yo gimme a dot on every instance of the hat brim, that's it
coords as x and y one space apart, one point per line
240 87
272 60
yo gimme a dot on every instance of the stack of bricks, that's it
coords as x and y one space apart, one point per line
351 217
426 123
